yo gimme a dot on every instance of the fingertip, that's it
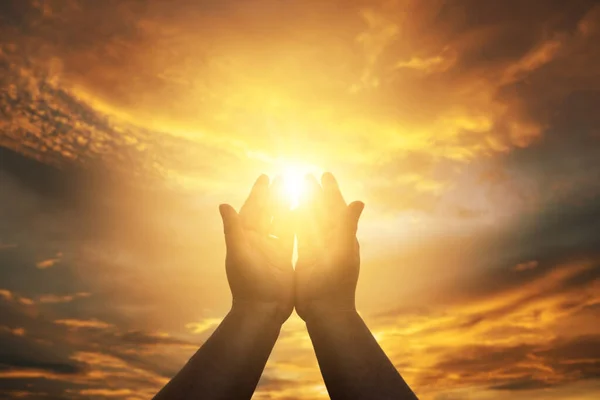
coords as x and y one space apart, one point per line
223 209
359 204
357 208
327 178
226 211
257 195
262 179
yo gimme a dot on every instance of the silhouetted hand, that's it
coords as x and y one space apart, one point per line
260 241
328 252
265 288
259 244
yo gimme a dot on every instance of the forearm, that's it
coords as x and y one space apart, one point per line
229 364
352 363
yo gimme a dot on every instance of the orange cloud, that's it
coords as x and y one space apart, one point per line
6 294
52 298
389 63
103 367
502 342
106 392
50 262
80 323
203 326
32 373
14 331
526 265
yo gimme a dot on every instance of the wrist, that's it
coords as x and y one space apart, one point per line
268 313
336 324
329 314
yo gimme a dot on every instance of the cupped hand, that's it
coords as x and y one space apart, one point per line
328 251
260 241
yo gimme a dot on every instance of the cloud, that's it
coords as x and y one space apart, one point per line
9 296
203 326
468 127
50 262
21 357
53 299
6 294
148 339
14 331
512 340
526 265
107 392
32 373
521 367
78 323
480 63
107 366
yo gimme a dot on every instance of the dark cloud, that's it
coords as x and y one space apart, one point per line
145 339
524 367
53 359
10 363
21 353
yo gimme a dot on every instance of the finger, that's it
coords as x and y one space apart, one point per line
353 212
332 195
305 226
232 225
252 212
282 226
308 218
312 198
333 201
277 197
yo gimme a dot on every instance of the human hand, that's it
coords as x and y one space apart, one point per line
260 241
328 251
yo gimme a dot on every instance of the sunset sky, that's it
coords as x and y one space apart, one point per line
470 129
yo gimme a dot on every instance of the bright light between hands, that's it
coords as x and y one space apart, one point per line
294 186
294 181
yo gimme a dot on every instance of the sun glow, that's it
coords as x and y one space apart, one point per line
294 185
294 180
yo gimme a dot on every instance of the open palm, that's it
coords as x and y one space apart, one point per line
328 252
260 242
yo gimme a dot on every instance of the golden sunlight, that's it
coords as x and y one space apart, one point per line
294 185
293 178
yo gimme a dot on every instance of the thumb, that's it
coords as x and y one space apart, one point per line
231 224
353 213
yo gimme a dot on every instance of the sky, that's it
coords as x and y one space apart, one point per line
469 128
